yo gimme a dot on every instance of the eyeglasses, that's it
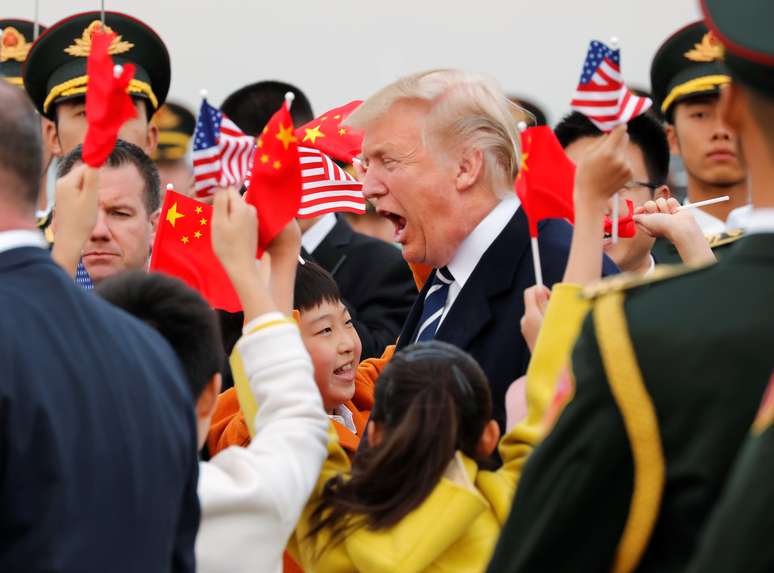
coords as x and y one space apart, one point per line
648 184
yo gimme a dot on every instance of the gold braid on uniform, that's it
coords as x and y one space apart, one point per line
76 86
639 416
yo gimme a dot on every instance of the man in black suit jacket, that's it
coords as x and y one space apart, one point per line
98 465
375 282
440 161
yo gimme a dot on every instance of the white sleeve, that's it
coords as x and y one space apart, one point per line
251 498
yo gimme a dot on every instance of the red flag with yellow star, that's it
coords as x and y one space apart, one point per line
275 182
546 178
328 135
183 249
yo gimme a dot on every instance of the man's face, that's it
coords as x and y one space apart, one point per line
333 343
71 126
628 254
122 237
413 185
706 145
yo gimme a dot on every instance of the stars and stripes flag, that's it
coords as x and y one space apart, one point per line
221 151
602 95
325 186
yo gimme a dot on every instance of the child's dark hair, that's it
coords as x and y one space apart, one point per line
431 400
314 286
178 313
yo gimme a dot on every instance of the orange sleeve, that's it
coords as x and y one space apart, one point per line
368 371
421 272
227 427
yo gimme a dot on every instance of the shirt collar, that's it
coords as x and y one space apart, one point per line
21 238
474 246
760 221
343 416
315 234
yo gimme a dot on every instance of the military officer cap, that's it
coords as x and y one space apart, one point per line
176 125
688 64
744 29
55 70
15 44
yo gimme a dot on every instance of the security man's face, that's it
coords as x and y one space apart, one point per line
69 129
705 143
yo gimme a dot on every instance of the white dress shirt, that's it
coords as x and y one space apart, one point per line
474 246
21 238
315 234
760 221
343 416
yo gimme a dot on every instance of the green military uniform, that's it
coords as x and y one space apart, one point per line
176 125
56 66
688 65
632 470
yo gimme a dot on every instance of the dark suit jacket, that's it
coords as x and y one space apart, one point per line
375 283
98 461
575 493
485 318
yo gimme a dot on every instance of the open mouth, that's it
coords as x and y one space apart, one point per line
397 221
346 371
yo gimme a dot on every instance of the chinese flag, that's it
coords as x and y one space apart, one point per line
328 135
275 183
183 249
108 104
546 178
627 228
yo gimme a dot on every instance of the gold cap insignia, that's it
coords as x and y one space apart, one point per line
82 45
14 46
165 118
708 50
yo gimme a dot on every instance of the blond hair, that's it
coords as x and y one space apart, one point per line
466 109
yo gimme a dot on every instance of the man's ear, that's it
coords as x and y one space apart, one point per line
51 138
208 399
152 139
469 168
154 221
674 143
488 440
374 433
662 192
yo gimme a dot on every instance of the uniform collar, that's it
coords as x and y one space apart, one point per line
21 238
481 238
760 221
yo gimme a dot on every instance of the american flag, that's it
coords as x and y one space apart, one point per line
602 95
326 187
221 151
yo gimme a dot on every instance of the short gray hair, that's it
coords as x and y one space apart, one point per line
466 109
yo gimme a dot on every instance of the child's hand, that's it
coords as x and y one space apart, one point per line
287 244
75 215
603 171
234 232
284 251
535 304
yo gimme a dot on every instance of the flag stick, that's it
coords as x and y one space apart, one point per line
289 97
102 11
616 213
170 187
536 261
36 29
704 203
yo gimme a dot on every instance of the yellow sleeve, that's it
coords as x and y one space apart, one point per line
561 326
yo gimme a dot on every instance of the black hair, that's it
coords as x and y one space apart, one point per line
645 131
536 114
432 399
124 153
178 313
252 106
21 150
314 286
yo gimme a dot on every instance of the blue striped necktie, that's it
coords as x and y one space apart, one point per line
432 310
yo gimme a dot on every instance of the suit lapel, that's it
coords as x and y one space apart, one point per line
331 254
493 275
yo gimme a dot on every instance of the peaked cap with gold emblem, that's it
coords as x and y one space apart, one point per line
688 64
15 44
743 27
56 66
176 125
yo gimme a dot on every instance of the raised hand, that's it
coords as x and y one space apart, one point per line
75 215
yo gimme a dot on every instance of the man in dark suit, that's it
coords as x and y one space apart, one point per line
637 461
440 162
98 465
375 282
